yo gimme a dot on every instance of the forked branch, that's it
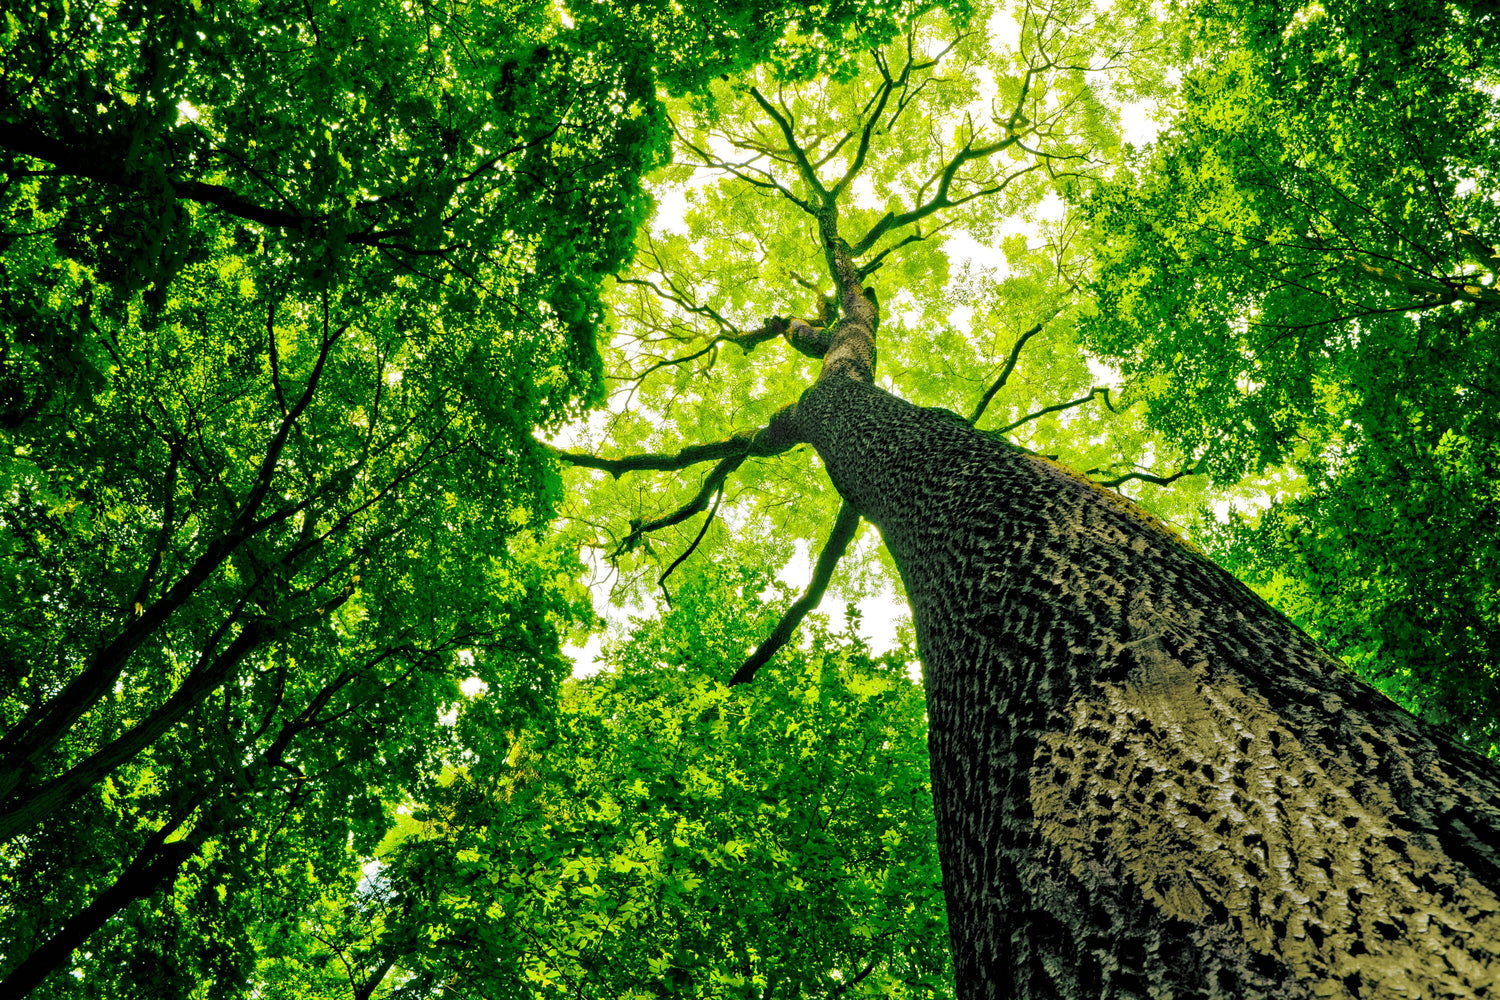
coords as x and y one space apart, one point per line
661 581
712 483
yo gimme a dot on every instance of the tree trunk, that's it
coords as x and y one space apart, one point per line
1149 783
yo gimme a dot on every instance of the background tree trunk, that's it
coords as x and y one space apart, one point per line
1148 782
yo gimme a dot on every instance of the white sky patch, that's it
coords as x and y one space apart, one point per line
186 112
579 433
962 318
964 250
1103 373
1137 124
601 584
864 193
1242 505
880 617
1005 29
671 209
1051 208
797 573
586 657
727 152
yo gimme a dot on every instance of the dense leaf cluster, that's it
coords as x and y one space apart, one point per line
1303 270
668 836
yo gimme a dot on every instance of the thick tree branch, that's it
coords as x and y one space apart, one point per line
879 101
367 989
745 341
740 444
833 550
1479 250
874 264
809 175
1438 290
813 341
103 166
940 199
42 800
157 863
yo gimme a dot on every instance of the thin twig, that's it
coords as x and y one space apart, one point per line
661 581
1005 373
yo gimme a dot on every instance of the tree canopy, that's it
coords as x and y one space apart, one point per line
341 346
1302 271
286 291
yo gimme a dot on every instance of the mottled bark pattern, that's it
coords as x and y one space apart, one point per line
1148 783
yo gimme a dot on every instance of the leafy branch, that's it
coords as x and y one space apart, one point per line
1190 469
1005 373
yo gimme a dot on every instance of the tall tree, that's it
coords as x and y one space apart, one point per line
285 290
1147 781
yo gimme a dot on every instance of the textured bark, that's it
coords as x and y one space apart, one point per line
1149 783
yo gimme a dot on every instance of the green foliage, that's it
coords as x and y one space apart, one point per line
1302 271
451 141
284 292
691 42
1393 565
668 836
265 500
